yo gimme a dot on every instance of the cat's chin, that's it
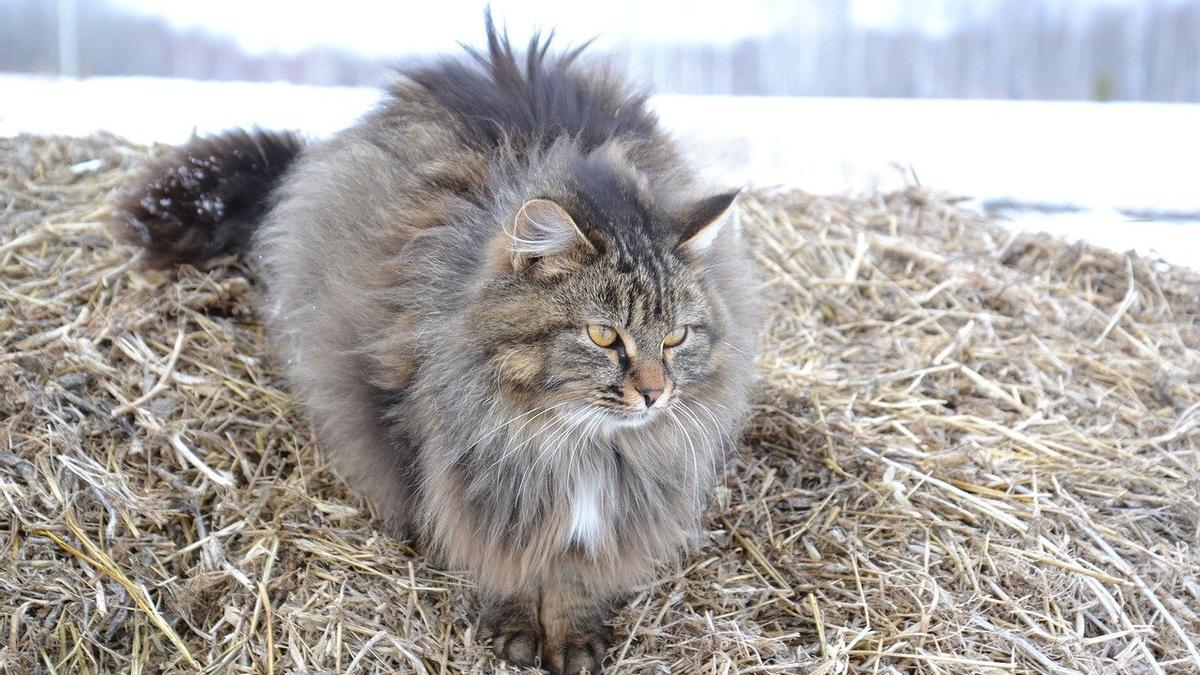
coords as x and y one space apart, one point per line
632 419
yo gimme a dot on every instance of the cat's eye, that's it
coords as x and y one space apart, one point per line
676 337
605 336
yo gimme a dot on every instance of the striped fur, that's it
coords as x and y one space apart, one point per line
439 344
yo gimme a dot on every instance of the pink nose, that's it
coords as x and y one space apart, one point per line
649 395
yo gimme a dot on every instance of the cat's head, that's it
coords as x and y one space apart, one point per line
603 307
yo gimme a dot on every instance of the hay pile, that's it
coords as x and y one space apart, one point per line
973 452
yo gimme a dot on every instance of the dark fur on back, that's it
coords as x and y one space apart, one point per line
205 197
498 97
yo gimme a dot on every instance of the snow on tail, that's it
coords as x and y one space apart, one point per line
205 197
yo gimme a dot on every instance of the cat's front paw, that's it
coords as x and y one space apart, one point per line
518 647
515 634
577 654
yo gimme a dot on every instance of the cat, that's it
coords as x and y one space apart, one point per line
512 313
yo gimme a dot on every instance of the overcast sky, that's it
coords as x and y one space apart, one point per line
380 28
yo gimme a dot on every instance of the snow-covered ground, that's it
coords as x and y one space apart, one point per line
148 110
1111 160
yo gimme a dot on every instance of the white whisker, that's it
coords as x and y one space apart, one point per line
583 440
728 439
739 350
509 449
692 450
704 436
500 426
549 447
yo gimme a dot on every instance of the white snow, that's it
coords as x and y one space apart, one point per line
1102 157
147 109
1129 155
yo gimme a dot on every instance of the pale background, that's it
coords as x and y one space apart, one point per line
1078 117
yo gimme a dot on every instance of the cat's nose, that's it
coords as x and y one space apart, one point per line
649 395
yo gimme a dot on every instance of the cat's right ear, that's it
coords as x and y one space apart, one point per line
543 232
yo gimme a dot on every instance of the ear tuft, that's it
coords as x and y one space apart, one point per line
543 229
703 220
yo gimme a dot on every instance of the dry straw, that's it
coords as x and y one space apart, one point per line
973 452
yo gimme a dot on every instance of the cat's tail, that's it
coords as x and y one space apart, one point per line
205 197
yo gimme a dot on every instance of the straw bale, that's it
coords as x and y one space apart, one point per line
973 451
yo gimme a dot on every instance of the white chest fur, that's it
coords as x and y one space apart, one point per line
587 514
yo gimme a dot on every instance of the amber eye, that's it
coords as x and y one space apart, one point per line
676 337
605 336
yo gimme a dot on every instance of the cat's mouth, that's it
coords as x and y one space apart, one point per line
629 418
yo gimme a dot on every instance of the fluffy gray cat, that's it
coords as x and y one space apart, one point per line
513 315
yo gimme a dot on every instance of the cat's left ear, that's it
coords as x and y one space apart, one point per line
702 222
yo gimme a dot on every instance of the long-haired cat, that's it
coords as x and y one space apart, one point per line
512 313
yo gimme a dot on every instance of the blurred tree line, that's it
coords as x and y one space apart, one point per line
115 41
1020 49
1023 49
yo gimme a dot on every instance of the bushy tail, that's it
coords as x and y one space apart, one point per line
205 197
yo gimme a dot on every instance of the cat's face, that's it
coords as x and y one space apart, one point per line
633 340
609 326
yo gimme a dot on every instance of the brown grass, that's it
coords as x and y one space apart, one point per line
973 452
